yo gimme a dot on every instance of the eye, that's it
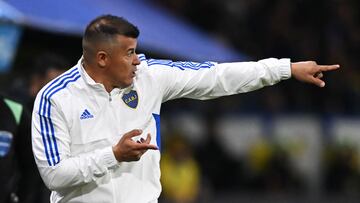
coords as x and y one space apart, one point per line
130 52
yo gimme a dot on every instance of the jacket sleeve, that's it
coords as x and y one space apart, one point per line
51 148
211 80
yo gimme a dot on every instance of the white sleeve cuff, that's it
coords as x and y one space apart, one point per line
285 68
109 157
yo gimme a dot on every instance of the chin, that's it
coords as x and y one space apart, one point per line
125 85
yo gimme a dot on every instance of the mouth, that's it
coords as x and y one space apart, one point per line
133 73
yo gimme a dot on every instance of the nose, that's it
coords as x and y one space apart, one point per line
136 60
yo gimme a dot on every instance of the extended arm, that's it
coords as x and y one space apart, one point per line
210 80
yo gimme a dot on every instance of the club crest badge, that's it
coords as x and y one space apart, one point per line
131 99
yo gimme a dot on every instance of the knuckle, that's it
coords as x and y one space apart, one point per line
131 133
131 147
126 135
312 63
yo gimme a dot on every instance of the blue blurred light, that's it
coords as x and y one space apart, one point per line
9 39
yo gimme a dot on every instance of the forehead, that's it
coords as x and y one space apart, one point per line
124 42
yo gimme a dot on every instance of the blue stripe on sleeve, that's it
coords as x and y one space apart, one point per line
49 117
43 117
45 120
182 65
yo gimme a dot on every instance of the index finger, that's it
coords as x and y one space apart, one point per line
144 146
132 133
328 67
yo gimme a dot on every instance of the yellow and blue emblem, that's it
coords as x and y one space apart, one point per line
131 99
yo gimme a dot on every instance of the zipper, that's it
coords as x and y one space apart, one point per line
110 99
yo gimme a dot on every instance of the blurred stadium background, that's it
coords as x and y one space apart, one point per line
288 143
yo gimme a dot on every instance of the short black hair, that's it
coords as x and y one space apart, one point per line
105 28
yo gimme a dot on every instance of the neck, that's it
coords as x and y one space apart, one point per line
97 75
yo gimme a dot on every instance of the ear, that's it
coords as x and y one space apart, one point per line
102 59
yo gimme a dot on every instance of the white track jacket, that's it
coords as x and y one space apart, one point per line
76 122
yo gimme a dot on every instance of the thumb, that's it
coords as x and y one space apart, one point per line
132 133
318 82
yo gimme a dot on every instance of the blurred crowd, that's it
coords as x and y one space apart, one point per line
324 31
196 167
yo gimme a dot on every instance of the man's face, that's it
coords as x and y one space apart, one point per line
122 62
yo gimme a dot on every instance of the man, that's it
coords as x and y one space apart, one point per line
96 128
17 166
